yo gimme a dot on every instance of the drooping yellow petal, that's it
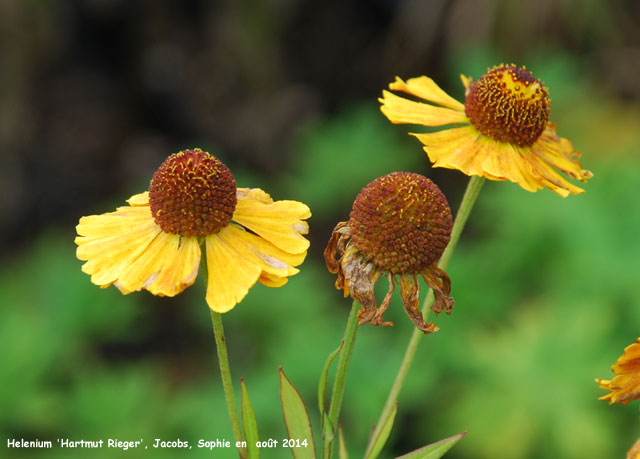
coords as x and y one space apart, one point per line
230 275
559 153
111 242
533 163
464 149
510 163
427 89
168 266
270 258
451 148
626 385
281 222
401 110
547 176
261 252
269 280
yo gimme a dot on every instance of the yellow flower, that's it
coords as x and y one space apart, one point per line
154 243
626 385
505 133
399 225
634 452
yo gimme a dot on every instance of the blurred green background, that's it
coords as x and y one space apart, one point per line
97 93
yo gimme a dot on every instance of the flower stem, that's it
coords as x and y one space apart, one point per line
225 373
468 200
341 378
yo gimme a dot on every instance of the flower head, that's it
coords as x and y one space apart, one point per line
505 133
399 225
154 243
626 385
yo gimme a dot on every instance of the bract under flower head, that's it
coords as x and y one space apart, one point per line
401 222
192 194
399 226
508 104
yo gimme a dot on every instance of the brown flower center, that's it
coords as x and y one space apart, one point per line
509 105
192 194
401 222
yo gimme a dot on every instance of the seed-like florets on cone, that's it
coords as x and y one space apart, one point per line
509 105
401 222
192 194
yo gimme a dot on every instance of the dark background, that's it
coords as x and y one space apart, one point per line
95 94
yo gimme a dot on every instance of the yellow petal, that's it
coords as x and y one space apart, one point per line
140 199
452 148
548 176
280 222
559 153
466 82
425 88
270 280
261 252
168 266
254 193
625 387
112 223
111 242
401 110
467 150
230 275
508 163
634 452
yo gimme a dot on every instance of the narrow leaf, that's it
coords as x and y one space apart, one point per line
434 450
249 422
378 443
322 384
296 419
328 432
342 447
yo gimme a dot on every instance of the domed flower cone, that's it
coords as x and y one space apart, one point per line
154 243
399 226
503 130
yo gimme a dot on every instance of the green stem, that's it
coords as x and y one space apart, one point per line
468 200
225 373
341 377
223 360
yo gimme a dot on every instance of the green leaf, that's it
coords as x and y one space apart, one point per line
378 443
328 432
296 419
434 450
342 447
322 384
249 422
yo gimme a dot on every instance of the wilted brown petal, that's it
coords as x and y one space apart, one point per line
409 290
440 283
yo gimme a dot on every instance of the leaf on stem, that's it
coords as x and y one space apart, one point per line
327 428
296 420
249 422
434 450
328 432
342 447
322 384
378 442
